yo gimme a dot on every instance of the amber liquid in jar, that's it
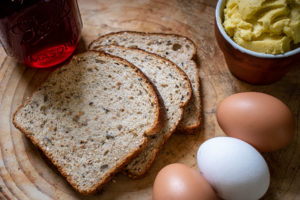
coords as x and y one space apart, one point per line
40 33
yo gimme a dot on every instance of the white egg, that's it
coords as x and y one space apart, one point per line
235 169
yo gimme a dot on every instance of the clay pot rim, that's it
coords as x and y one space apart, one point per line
219 12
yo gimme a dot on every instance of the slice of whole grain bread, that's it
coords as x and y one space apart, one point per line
174 89
90 118
179 50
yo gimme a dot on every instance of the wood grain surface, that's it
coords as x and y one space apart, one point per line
25 174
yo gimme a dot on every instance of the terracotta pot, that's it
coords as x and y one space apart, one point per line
250 66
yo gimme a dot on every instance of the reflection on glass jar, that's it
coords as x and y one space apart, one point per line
40 33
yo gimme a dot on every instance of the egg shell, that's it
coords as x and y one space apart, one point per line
257 118
234 168
180 182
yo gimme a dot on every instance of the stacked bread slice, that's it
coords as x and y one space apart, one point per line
114 108
91 117
178 49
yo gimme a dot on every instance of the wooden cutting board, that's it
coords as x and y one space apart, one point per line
24 174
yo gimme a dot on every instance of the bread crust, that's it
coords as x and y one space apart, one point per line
187 129
154 128
193 57
194 128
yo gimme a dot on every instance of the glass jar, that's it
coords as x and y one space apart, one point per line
40 33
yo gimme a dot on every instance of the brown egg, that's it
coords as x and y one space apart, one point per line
257 118
179 182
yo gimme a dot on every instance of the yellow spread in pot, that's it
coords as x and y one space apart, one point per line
265 26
